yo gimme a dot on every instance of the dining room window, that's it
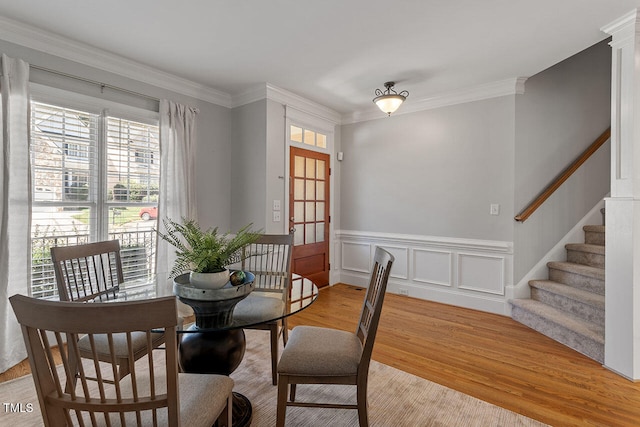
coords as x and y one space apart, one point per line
93 178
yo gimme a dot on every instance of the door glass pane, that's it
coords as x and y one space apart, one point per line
298 236
298 189
320 190
321 140
299 166
296 134
310 194
319 211
311 168
310 212
320 232
298 215
320 173
310 233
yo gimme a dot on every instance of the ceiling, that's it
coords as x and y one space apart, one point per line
333 52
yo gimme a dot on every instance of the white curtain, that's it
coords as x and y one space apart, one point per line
15 197
177 180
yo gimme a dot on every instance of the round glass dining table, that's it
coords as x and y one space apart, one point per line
215 342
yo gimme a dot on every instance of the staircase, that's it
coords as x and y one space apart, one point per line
569 306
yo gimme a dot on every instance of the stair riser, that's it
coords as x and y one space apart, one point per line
594 238
585 258
579 281
571 339
568 305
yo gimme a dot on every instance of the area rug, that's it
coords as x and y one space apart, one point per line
396 399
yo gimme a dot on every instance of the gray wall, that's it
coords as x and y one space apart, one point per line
432 173
213 124
258 171
563 110
248 170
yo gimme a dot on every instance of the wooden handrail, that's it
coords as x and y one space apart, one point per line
547 192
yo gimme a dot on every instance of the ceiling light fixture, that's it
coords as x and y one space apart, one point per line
389 100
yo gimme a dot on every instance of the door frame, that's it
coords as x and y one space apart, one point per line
299 118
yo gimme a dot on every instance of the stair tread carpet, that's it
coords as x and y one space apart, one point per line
570 292
586 329
584 270
586 247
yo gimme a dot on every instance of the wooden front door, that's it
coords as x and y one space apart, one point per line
309 214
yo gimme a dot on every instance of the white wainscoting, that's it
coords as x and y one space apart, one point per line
462 272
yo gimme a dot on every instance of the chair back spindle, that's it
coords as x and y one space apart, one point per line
269 258
88 272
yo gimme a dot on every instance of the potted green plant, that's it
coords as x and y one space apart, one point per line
205 254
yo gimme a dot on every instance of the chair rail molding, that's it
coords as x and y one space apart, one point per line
468 273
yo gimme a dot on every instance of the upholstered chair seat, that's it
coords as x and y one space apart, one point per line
312 350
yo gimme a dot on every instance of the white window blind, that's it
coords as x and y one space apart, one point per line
88 186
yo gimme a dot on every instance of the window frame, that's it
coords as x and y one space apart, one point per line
98 201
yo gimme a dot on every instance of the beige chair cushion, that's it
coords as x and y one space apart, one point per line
120 343
202 399
256 308
317 351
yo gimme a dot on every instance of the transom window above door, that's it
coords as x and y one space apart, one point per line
307 137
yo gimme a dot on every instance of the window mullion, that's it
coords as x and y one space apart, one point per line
102 211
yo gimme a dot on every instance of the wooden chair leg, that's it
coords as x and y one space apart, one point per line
363 418
123 368
292 394
285 331
283 385
274 352
224 420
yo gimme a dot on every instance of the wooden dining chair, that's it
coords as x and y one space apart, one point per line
92 273
316 355
269 259
153 394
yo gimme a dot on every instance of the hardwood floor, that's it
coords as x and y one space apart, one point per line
484 355
487 356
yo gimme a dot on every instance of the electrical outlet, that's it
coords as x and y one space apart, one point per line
276 216
403 291
276 205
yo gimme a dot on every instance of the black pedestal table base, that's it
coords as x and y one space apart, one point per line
205 350
218 352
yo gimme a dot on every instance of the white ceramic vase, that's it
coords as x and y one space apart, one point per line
209 280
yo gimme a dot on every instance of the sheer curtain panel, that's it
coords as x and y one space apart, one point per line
15 195
177 179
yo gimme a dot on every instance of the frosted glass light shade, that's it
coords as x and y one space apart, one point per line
389 103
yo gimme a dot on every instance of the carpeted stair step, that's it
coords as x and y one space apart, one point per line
594 234
583 304
585 254
584 337
579 276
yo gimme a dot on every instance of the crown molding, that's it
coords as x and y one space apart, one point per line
621 23
50 43
512 86
47 42
290 99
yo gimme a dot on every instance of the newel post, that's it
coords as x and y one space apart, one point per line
622 265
